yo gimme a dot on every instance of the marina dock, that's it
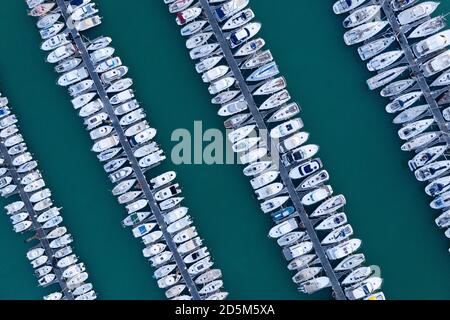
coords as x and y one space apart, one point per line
414 65
41 230
36 226
147 193
129 153
418 14
284 173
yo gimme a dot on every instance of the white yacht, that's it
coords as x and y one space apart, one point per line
297 250
253 155
246 144
132 117
428 28
437 64
152 237
432 170
256 168
269 190
343 6
414 128
363 288
384 60
283 228
83 289
233 107
317 195
375 47
331 205
146 149
438 186
190 245
221 85
35 253
343 249
292 142
225 97
83 99
361 16
207 63
53 222
432 44
126 107
404 101
193 27
290 238
106 143
152 159
101 54
350 262
443 221
80 87
87 23
314 180
136 206
67 261
250 47
115 74
417 12
203 50
188 15
215 73
39 261
76 280
179 5
274 203
208 276
200 266
170 203
238 20
284 113
56 233
420 140
108 64
271 86
55 42
198 39
241 133
275 100
442 80
301 262
175 215
305 169
357 275
228 9
83 12
263 73
51 31
160 259
287 128
143 229
385 77
179 224
196 255
61 53
99 43
306 274
337 235
397 87
100 132
73 76
153 249
122 97
238 37
364 32
332 222
165 270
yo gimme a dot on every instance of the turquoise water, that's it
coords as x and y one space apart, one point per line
359 145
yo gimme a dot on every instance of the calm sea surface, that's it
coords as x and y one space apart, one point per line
359 145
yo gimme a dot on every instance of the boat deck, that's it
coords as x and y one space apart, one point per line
284 173
40 233
139 173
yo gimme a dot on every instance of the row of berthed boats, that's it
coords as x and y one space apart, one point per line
429 42
109 144
35 211
268 88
